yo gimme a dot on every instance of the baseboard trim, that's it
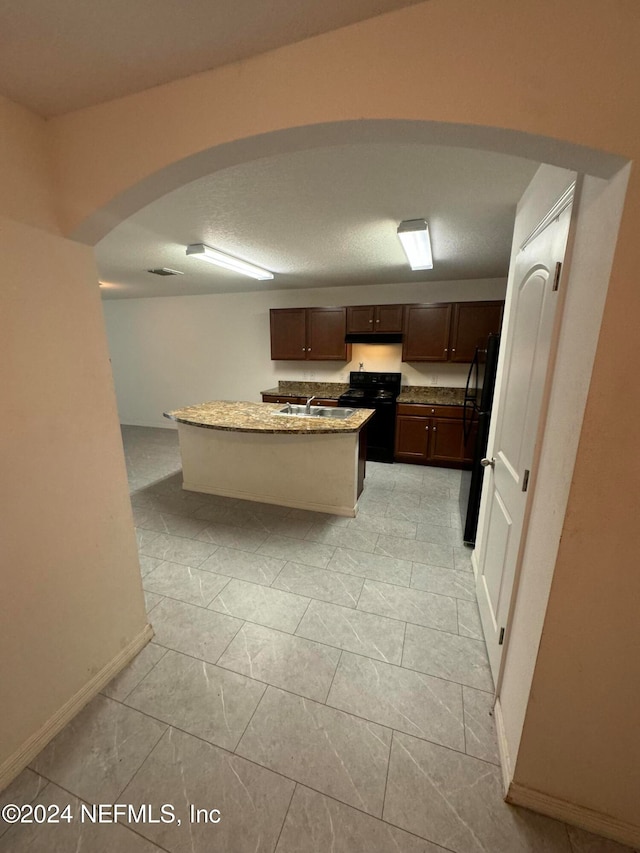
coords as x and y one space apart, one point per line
25 754
592 821
347 511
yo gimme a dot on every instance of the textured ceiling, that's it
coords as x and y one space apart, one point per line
324 217
60 56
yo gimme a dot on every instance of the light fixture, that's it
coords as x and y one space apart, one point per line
220 259
414 236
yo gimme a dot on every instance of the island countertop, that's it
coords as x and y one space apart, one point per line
261 417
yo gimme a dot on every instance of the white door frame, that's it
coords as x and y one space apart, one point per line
589 257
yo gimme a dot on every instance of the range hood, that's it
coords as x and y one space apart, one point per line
373 338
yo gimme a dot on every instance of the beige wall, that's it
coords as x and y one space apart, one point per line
562 69
71 600
25 171
173 351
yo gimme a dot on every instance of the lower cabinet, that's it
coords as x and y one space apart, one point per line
282 398
432 435
285 398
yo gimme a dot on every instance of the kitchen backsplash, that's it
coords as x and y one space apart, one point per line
375 357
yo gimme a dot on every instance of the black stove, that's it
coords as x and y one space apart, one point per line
376 391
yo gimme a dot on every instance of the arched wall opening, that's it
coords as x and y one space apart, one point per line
199 164
601 200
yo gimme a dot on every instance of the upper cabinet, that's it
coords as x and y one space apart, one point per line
472 323
448 331
311 334
383 319
426 332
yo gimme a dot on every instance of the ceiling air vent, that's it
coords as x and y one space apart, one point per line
165 271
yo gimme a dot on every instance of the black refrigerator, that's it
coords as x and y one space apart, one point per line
478 400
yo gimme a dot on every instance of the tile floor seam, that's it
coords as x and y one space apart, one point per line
333 678
190 603
161 735
404 637
386 781
464 721
286 633
457 617
293 633
298 696
244 622
135 687
442 678
357 604
184 601
286 815
89 803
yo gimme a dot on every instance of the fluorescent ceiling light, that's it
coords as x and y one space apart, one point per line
414 236
220 259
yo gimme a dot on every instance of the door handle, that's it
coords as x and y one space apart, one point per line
488 463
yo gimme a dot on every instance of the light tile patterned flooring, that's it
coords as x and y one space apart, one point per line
321 681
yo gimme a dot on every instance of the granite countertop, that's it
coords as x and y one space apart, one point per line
327 390
428 394
261 417
432 395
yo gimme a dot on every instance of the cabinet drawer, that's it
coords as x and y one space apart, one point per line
281 398
323 401
424 410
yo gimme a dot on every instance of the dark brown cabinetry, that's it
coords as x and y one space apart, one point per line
382 319
432 435
448 331
286 398
308 334
282 398
426 332
471 324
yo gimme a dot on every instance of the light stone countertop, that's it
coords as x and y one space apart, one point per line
260 417
427 394
431 395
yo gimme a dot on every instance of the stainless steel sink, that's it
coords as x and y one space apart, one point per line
299 410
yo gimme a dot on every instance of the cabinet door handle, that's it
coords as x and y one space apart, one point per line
434 429
446 350
304 349
308 349
371 321
427 428
453 350
377 321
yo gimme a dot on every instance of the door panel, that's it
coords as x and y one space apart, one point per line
516 414
426 332
497 545
360 319
447 441
472 324
288 333
326 328
412 436
388 318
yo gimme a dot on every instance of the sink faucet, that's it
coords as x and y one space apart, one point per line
308 405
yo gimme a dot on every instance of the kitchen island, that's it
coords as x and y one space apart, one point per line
253 452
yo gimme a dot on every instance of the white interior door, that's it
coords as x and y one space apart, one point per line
509 480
